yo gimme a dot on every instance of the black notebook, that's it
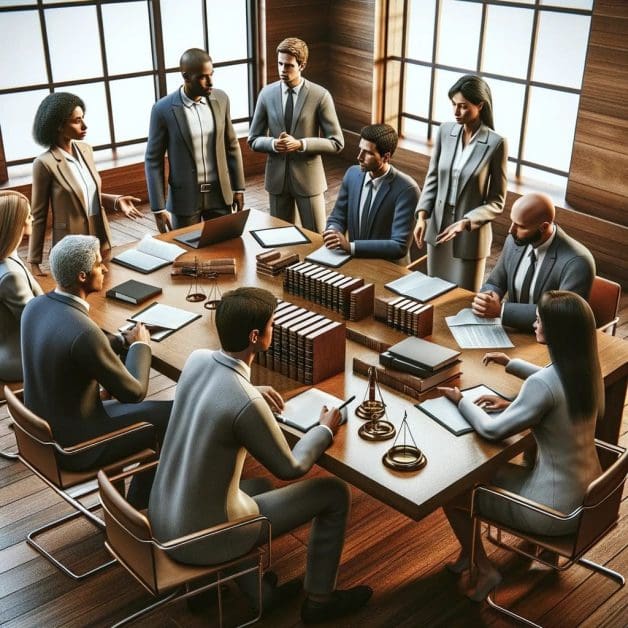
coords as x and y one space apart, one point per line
133 291
425 354
446 412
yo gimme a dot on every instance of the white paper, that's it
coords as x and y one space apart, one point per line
480 336
157 248
467 317
165 316
328 257
304 410
419 286
281 236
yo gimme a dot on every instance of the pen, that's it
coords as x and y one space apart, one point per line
346 403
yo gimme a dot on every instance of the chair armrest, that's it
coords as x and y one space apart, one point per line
616 449
213 531
418 264
524 502
105 438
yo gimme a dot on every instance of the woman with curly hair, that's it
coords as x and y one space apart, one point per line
17 285
65 179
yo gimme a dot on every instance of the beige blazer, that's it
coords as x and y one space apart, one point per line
55 187
314 121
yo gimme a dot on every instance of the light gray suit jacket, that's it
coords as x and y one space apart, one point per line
169 133
17 288
314 120
567 265
481 188
566 460
218 416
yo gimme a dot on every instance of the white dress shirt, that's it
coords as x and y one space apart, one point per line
201 124
460 159
522 269
83 177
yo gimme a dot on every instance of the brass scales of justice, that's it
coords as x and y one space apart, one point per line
404 456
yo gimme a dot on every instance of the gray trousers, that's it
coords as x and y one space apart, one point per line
311 209
323 501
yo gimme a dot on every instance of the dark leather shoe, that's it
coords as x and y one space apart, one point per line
341 603
282 594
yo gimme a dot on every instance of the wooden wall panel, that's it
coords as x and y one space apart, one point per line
597 182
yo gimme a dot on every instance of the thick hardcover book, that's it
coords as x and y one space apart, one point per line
421 379
133 291
373 335
426 354
324 353
418 286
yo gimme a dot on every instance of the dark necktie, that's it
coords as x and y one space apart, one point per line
365 211
524 297
287 114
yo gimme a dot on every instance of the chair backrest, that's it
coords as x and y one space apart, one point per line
601 502
34 438
129 534
604 300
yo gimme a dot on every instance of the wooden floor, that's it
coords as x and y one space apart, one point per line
401 559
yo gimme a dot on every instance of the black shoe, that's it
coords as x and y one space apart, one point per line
341 603
282 594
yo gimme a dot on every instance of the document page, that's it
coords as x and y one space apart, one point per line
419 286
472 332
165 316
304 410
164 250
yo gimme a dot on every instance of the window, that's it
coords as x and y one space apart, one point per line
531 53
119 56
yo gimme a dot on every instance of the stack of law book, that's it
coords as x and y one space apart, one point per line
205 268
306 346
274 262
418 388
430 363
342 293
408 315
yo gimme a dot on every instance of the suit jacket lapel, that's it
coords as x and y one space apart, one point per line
87 158
448 151
276 106
518 252
546 268
299 104
353 201
214 107
379 198
61 298
65 175
182 123
479 148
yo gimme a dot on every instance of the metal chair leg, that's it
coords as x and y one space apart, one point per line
502 609
30 539
605 571
9 455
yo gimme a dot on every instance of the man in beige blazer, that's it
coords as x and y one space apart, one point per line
295 122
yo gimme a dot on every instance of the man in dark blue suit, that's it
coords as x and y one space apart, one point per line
374 212
193 125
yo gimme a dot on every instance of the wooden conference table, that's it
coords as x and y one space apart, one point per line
454 464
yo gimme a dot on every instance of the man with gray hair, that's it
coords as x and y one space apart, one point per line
67 357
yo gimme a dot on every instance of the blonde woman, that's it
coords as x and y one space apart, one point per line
17 285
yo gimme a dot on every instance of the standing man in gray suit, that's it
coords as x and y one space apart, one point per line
295 122
66 358
537 256
193 125
220 416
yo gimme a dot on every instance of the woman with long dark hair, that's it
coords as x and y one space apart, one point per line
465 188
17 285
561 404
66 181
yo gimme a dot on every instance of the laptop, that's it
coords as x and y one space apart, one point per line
216 230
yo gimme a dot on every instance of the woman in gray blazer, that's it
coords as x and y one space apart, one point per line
17 285
561 404
465 188
65 179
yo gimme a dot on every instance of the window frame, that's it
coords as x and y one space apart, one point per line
158 71
403 60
